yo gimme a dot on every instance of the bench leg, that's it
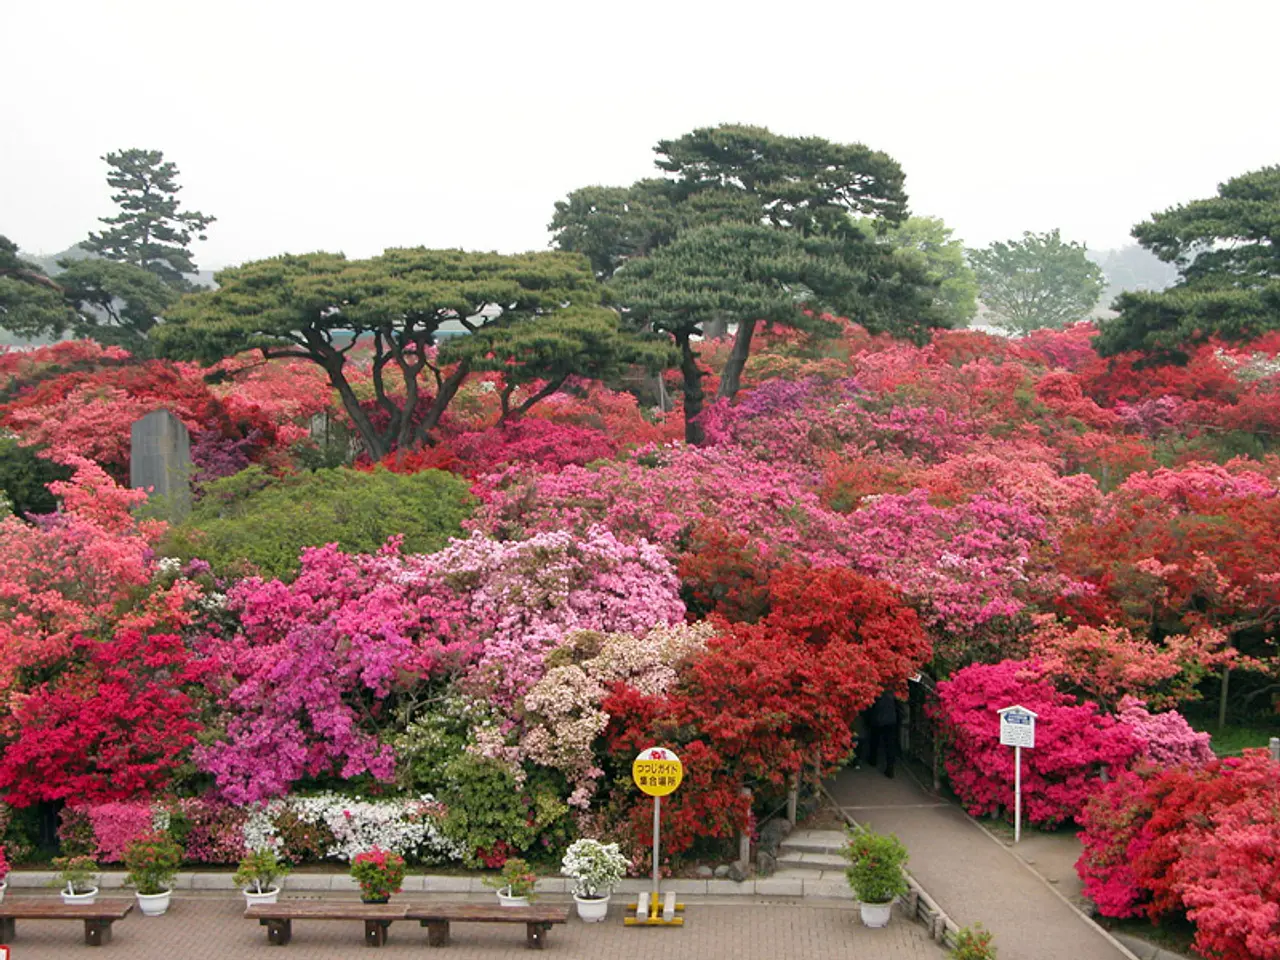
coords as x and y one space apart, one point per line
537 935
279 932
437 932
375 932
97 932
8 929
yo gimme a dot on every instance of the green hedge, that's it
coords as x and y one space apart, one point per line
254 522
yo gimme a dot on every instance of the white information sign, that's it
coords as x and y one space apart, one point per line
1017 727
1017 730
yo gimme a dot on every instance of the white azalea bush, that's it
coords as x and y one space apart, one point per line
595 867
409 827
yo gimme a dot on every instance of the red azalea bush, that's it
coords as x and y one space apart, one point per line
114 724
380 873
1075 742
1202 840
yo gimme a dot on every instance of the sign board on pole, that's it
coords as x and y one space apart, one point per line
657 771
1017 727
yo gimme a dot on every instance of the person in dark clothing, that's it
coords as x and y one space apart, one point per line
882 724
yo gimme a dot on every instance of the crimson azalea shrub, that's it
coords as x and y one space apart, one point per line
1201 840
1075 742
115 723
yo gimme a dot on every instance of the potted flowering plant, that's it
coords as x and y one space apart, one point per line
875 873
379 872
152 860
259 875
77 875
514 884
4 873
595 868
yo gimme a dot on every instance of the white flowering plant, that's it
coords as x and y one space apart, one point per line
595 868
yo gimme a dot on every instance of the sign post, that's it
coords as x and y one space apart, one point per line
1017 730
657 772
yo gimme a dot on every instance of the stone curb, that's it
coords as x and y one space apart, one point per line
1147 951
797 887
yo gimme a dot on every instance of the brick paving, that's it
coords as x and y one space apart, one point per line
211 927
972 877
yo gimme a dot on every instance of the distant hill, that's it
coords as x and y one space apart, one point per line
50 264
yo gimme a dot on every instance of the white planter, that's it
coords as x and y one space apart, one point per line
876 914
592 910
505 898
4 885
268 896
79 897
154 904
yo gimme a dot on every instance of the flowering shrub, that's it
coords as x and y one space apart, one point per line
1169 741
1074 742
595 867
379 872
4 866
515 880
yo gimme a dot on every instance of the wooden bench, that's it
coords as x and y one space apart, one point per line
436 917
97 917
278 917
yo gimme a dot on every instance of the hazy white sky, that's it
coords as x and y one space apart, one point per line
364 124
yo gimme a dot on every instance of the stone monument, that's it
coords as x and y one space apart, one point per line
160 459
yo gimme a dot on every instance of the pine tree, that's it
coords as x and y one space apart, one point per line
149 231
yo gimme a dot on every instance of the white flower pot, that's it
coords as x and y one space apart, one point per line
4 885
505 898
594 909
154 904
876 914
88 897
267 896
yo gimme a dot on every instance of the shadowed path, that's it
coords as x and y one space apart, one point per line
971 876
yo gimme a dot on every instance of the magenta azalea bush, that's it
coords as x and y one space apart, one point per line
1075 743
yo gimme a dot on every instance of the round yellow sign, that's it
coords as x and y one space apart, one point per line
657 771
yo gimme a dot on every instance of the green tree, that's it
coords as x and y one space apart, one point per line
150 231
583 342
941 257
256 522
1038 281
744 273
31 304
1227 251
321 306
749 176
114 303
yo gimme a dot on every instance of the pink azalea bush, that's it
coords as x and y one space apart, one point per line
1168 740
1075 742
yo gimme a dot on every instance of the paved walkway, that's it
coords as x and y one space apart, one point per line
970 876
211 926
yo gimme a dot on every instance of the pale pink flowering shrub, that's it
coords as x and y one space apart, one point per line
116 825
562 713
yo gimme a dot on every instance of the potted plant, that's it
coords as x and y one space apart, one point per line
4 874
514 884
379 872
875 873
595 868
259 876
77 875
973 943
152 860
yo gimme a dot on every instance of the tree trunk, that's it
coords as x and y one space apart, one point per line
444 396
693 432
374 444
731 379
547 390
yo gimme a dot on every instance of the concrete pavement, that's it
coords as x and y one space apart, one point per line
210 926
972 877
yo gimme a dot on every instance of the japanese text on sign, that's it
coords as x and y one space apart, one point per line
1018 728
657 771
